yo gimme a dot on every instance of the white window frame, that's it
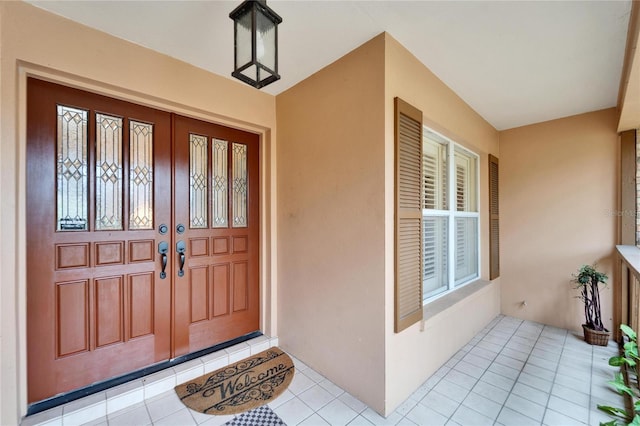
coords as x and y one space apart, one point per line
451 214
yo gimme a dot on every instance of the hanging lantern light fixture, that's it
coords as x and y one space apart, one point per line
256 43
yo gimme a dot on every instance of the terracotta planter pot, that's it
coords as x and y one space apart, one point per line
594 337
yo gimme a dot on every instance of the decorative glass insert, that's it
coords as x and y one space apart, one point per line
240 190
140 175
72 169
198 165
220 184
108 172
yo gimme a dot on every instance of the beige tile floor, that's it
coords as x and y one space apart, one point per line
513 373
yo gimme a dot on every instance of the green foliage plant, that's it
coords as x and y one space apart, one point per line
630 388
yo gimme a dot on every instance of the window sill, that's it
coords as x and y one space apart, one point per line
443 303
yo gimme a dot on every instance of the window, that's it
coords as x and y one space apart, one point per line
449 214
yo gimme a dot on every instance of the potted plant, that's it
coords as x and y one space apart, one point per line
587 282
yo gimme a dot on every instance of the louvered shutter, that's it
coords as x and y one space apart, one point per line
461 249
408 209
494 221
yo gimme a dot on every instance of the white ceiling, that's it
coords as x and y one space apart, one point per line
514 62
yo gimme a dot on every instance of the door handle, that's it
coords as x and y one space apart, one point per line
181 248
163 248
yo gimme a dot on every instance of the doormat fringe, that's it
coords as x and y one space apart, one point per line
239 387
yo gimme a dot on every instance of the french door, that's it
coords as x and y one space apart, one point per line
217 204
128 260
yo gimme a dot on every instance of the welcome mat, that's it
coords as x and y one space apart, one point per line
239 387
261 416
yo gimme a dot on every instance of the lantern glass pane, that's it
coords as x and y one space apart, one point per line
251 72
243 39
265 42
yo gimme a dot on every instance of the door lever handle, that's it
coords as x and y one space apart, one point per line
181 248
163 249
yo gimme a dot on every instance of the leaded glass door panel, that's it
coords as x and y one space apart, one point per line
216 201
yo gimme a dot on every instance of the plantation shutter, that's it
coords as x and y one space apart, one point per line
466 227
408 209
434 169
434 228
462 201
494 221
462 190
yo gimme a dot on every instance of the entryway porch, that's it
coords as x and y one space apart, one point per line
512 373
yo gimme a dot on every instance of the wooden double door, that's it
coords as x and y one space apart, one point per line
142 237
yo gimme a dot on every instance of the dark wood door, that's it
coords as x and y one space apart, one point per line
108 183
217 203
98 188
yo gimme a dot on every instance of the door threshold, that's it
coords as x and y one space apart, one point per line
103 398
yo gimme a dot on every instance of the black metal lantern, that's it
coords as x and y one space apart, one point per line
256 43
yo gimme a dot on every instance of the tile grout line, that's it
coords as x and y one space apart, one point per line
496 320
494 360
519 373
513 333
485 334
314 412
515 381
487 368
297 396
555 374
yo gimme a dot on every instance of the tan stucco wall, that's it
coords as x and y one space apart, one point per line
336 216
558 198
36 42
335 153
331 212
413 355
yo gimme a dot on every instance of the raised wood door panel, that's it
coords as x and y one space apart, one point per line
96 306
217 202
